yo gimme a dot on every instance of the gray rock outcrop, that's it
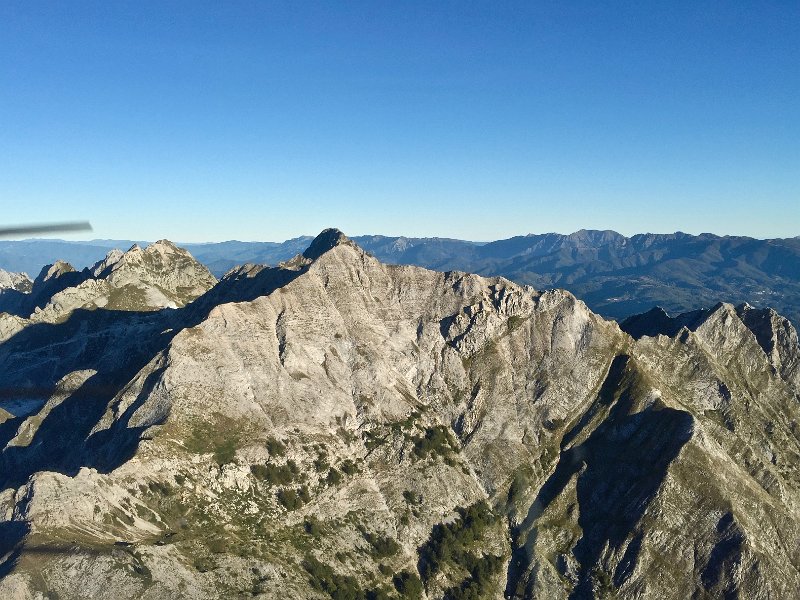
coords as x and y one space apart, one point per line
341 428
159 276
14 281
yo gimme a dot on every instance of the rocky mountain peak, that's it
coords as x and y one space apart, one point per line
402 244
325 241
724 324
103 267
594 237
655 321
345 428
53 271
777 337
142 280
247 270
14 281
161 257
165 247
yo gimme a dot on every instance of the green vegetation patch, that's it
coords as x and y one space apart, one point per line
413 498
514 322
408 423
339 587
225 452
408 585
275 447
348 467
481 581
292 499
162 488
276 474
382 546
437 441
313 526
334 477
451 544
321 463
219 436
128 297
373 439
520 484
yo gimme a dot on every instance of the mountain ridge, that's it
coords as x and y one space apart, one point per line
140 279
616 275
341 427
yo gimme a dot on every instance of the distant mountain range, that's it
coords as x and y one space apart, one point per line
615 275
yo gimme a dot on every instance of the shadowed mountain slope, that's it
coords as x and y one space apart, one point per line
337 427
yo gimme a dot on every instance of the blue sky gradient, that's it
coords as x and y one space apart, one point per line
267 120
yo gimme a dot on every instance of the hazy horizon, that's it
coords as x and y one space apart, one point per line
78 240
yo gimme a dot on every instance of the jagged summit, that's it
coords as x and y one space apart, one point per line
14 281
344 422
249 281
161 275
777 337
616 275
326 240
651 323
103 267
657 321
594 237
162 257
773 333
165 243
53 271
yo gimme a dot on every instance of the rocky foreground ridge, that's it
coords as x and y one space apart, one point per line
336 427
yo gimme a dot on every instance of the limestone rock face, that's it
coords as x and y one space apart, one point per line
162 265
777 337
52 272
336 427
159 276
14 287
14 281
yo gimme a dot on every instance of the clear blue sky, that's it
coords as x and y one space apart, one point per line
481 120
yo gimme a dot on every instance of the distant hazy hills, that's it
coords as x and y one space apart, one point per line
615 275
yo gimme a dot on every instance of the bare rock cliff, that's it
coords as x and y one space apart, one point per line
341 428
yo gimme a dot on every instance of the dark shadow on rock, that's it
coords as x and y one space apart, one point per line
627 564
627 462
23 304
12 535
523 538
724 560
605 397
117 444
117 345
326 240
618 469
244 286
14 302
